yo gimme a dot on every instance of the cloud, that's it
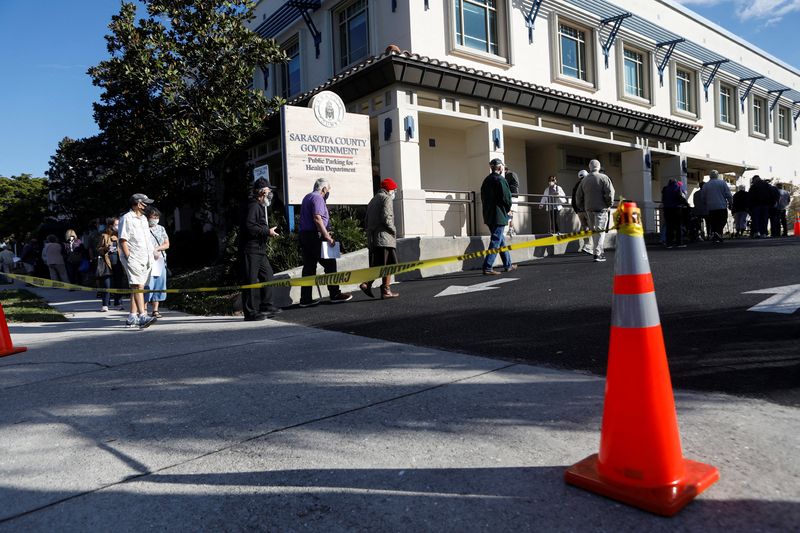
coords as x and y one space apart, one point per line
767 12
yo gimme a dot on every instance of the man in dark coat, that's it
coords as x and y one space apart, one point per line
673 202
496 201
762 197
253 235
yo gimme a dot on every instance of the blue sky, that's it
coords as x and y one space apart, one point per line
47 46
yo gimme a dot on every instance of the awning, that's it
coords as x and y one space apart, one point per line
704 165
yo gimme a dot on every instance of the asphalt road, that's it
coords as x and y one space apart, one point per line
557 312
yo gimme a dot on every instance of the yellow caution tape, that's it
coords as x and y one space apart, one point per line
345 277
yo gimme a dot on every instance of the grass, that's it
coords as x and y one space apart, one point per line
24 306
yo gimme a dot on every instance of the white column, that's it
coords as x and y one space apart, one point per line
399 159
636 185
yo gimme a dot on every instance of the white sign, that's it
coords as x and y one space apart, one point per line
323 141
261 172
786 300
485 286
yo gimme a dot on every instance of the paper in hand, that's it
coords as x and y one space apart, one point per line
330 252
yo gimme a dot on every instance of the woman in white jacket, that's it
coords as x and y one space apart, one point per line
553 198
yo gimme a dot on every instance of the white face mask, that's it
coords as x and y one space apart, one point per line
153 222
392 194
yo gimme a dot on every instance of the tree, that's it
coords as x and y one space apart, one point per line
177 96
78 177
23 205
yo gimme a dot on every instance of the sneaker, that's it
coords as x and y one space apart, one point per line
599 258
341 298
491 273
131 321
270 311
512 268
255 318
587 251
146 321
310 304
681 246
104 309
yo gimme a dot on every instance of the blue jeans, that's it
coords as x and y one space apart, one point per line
497 240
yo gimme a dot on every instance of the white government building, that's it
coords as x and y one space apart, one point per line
647 87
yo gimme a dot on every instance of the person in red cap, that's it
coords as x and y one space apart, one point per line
381 236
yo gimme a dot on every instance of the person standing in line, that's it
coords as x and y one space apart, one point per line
29 255
109 269
699 213
783 204
553 199
513 186
53 257
314 230
596 196
254 233
762 197
381 236
740 207
158 274
717 196
75 253
6 263
496 202
673 202
774 210
136 244
583 244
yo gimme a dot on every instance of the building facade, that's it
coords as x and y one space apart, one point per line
649 88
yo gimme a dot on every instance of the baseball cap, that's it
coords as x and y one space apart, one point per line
495 162
582 174
139 197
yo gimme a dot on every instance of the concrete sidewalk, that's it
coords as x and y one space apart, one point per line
217 424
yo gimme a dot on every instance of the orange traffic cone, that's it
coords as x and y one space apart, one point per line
797 225
640 461
6 346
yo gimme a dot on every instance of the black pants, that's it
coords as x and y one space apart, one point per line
716 220
672 223
256 268
310 245
784 223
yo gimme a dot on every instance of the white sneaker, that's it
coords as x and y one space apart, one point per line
104 309
600 258
131 321
146 321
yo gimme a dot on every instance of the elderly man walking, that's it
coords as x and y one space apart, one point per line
596 196
496 200
717 196
381 236
136 244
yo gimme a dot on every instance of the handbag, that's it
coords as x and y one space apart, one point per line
102 268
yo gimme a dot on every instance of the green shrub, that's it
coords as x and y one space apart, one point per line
347 224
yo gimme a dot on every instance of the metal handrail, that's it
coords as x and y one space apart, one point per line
469 201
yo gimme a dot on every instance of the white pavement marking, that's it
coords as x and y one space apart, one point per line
786 300
485 286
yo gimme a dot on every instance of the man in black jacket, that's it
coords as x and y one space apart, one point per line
253 235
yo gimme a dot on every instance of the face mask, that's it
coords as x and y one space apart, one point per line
152 222
115 227
71 239
325 196
553 184
392 194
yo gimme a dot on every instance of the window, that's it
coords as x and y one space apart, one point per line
683 90
727 116
783 123
634 73
758 121
476 25
573 52
725 104
352 31
290 71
